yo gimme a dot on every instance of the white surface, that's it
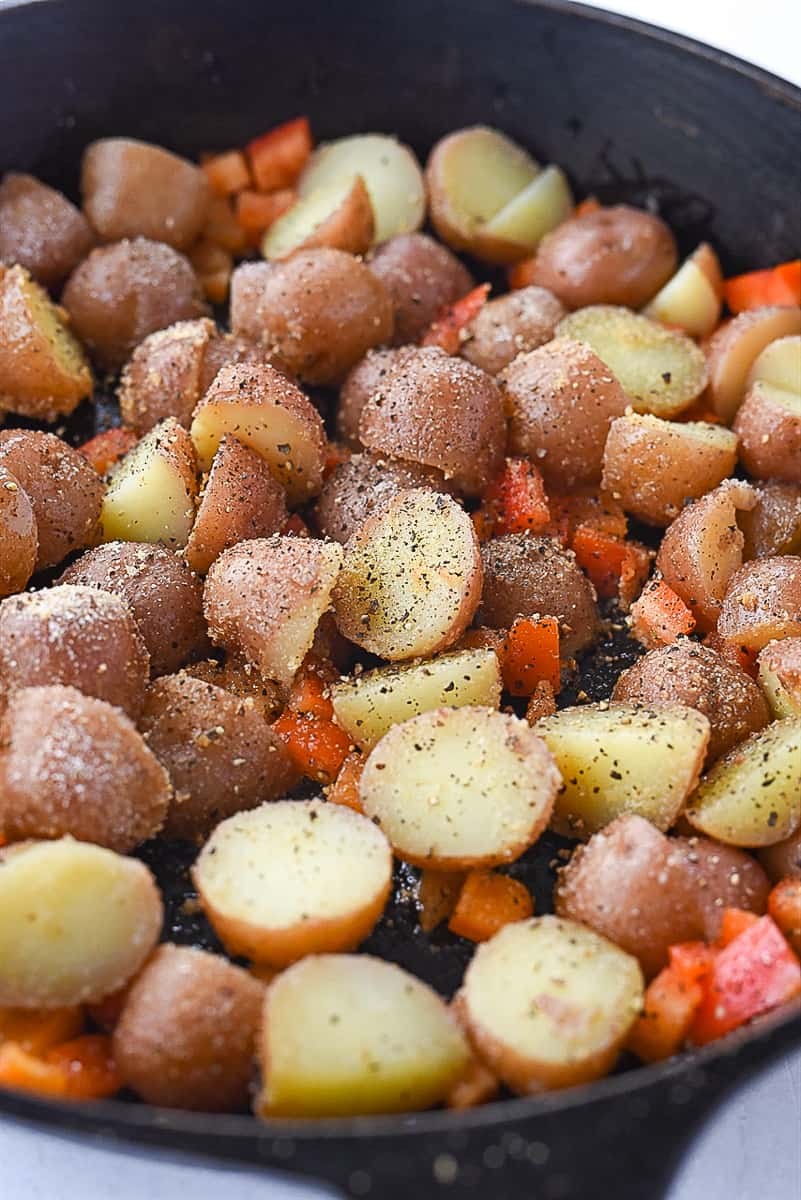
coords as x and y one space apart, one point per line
753 1147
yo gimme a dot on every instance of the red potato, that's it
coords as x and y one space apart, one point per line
339 215
239 677
734 348
359 487
773 525
780 676
783 859
511 325
422 278
19 539
367 378
40 229
768 424
762 602
151 492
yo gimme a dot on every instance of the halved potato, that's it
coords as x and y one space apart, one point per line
768 424
292 878
82 936
752 796
780 676
41 229
151 495
763 602
347 1034
734 349
692 298
533 212
338 214
783 859
779 365
548 1003
660 370
457 788
773 525
19 539
367 705
411 577
162 377
618 758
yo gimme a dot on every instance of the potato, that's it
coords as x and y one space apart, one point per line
561 400
703 549
661 371
292 878
692 298
440 412
44 373
151 494
65 492
186 1037
164 596
734 348
221 755
763 602
19 539
40 229
347 1034
783 859
390 173
369 704
456 788
264 599
526 576
779 365
752 797
77 636
411 577
773 525
534 212
780 676
422 278
237 676
653 467
618 758
336 214
616 255
268 414
368 376
320 310
133 189
162 378
74 765
511 325
768 424
361 486
81 937
548 1003
126 290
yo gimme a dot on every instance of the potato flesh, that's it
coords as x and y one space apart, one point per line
81 937
368 705
344 1035
535 211
151 495
617 758
779 365
337 214
780 676
752 797
688 300
460 787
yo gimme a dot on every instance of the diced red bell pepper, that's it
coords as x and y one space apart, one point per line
516 501
531 654
278 156
448 330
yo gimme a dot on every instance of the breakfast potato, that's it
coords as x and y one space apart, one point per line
320 310
548 1003
661 370
134 189
72 765
236 675
164 596
422 278
292 878
692 298
703 549
369 704
411 577
151 494
264 411
773 525
220 754
653 467
533 212
768 425
126 290
779 365
361 486
336 214
510 325
615 255
618 758
561 401
752 796
44 372
763 602
264 599
733 350
77 636
19 539
369 376
40 229
440 412
241 499
162 377
186 1037
526 576
783 859
780 676
81 937
457 788
348 1034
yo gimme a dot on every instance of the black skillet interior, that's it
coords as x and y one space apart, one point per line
632 115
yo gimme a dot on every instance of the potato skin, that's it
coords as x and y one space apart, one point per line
769 429
773 525
362 381
783 859
422 277
41 229
510 325
524 575
616 255
763 602
237 676
162 377
357 488
186 1036
19 539
561 400
163 594
72 764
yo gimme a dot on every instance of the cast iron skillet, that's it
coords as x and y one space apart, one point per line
632 113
